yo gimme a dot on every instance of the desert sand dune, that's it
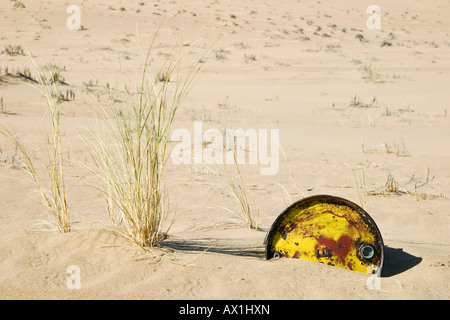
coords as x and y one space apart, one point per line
361 114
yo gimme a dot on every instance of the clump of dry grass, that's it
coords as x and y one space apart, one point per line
249 57
13 50
392 186
399 149
132 167
21 74
18 4
51 184
369 73
358 103
386 43
427 185
68 96
221 54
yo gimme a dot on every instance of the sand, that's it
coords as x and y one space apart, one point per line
348 102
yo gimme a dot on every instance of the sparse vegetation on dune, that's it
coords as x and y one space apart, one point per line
129 147
397 148
418 188
13 50
20 74
358 103
221 54
51 75
368 71
18 4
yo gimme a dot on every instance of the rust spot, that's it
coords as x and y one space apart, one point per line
339 248
350 265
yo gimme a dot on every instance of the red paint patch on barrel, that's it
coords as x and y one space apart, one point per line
339 248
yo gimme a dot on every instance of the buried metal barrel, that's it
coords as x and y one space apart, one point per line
330 230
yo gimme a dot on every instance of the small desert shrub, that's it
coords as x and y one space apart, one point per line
21 74
386 43
163 76
369 73
221 54
89 86
18 4
25 75
391 184
359 36
132 166
400 150
250 57
56 76
358 103
13 50
423 189
68 96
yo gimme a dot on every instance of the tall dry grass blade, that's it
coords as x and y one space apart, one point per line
360 185
235 187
